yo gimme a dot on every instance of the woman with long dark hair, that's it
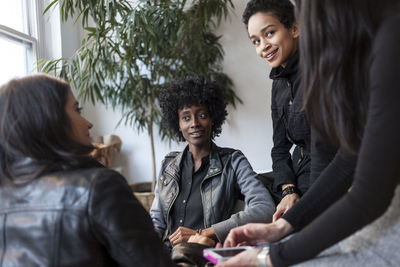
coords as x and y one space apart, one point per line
350 52
59 207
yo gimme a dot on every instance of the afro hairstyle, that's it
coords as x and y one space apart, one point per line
282 9
193 90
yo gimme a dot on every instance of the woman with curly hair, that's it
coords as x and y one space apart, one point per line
197 188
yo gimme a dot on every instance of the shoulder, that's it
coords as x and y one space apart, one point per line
230 153
78 184
102 178
91 177
224 151
172 154
83 175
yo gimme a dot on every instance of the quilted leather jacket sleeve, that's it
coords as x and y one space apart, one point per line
122 225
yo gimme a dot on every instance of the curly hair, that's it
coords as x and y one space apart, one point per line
194 90
282 9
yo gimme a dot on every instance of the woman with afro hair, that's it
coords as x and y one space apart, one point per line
198 188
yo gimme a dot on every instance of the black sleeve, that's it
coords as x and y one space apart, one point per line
332 184
122 225
378 169
281 159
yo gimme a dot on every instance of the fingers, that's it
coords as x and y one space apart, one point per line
230 240
182 234
242 234
278 213
201 239
286 204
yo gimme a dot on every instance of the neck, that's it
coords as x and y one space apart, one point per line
198 152
283 65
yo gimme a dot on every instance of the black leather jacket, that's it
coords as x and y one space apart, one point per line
229 175
290 127
82 217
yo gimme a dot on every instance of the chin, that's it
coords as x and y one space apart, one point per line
274 64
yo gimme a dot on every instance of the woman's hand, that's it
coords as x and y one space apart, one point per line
182 234
257 233
286 204
247 258
201 239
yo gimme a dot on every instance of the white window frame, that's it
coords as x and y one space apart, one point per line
29 39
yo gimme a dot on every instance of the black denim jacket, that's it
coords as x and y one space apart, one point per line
290 127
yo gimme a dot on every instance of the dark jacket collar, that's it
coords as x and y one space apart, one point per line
289 72
174 167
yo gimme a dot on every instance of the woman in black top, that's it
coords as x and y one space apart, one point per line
273 30
351 88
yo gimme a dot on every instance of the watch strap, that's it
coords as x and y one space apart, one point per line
290 190
262 257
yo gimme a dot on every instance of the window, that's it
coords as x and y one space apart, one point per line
18 38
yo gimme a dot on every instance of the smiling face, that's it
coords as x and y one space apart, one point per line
273 41
79 125
195 124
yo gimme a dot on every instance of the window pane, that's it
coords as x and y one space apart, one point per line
12 14
13 59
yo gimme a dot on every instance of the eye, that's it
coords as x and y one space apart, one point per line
270 33
202 115
79 109
256 42
186 118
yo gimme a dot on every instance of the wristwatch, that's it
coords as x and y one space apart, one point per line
290 190
262 257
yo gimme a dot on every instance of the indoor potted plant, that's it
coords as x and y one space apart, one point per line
134 48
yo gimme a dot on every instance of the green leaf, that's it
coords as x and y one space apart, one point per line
49 6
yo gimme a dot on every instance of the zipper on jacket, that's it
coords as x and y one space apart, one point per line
301 155
202 195
172 202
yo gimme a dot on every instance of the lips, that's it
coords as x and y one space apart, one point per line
271 55
196 134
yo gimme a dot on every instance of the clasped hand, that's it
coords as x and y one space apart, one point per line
254 234
184 234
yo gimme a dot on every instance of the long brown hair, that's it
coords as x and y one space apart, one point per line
335 43
34 126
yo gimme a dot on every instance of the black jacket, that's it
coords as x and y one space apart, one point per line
82 217
229 175
290 127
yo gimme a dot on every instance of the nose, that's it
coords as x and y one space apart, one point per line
89 124
195 121
265 44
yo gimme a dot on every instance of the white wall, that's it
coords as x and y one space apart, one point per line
248 127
